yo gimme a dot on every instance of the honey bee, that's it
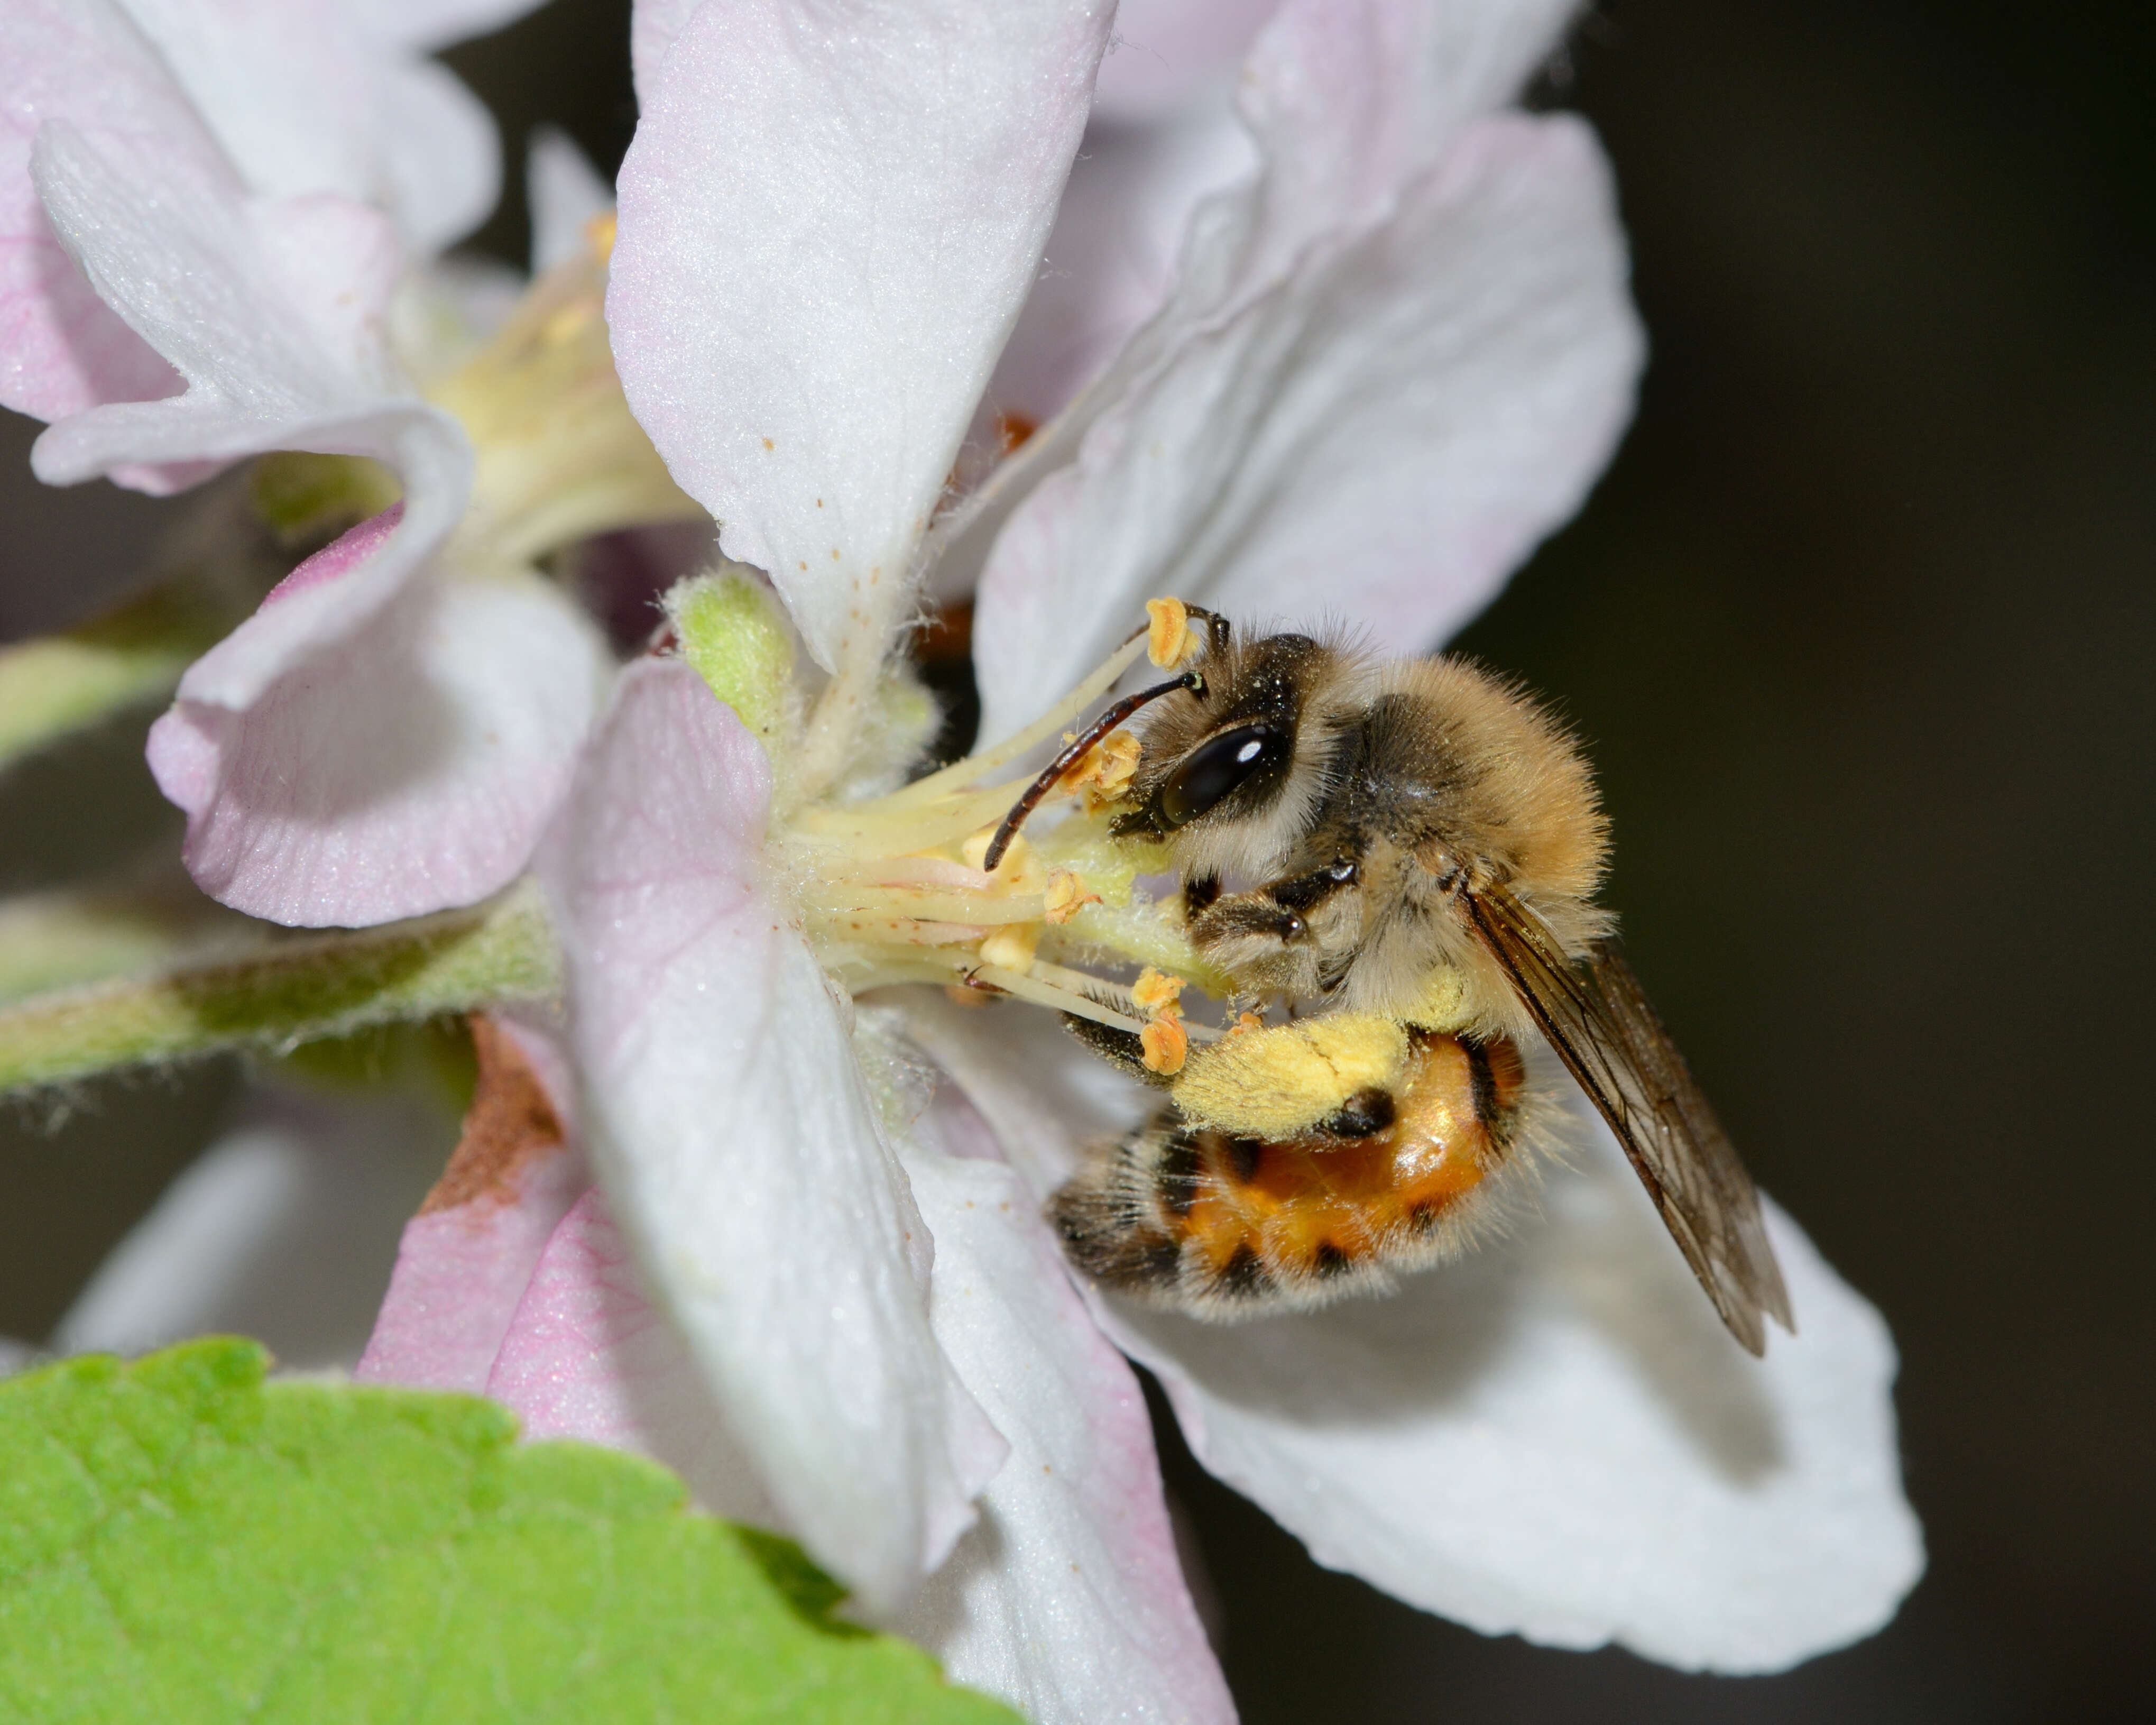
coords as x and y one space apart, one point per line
1410 844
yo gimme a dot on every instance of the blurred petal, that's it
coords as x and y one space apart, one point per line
1066 1599
1382 437
1168 52
438 162
741 1151
284 1230
1554 1437
467 1258
829 218
61 348
589 1356
412 768
421 26
565 194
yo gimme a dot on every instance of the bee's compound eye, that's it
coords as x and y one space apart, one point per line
1217 767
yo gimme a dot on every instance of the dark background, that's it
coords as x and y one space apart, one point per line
1860 629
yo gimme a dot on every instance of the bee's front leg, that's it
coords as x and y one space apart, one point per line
1292 936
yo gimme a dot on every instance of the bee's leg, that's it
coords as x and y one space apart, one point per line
1265 937
1119 1048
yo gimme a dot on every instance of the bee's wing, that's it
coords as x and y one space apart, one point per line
1597 1019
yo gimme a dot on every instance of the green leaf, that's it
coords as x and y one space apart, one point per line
180 1541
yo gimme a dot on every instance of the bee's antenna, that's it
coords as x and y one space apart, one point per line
1074 752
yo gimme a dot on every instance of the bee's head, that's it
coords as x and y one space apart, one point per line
1229 775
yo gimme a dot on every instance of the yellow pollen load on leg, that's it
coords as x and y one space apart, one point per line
1278 1081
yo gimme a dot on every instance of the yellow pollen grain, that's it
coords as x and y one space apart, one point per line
1105 774
1246 1022
1168 638
1012 947
1019 858
599 235
1065 896
1158 993
1164 1046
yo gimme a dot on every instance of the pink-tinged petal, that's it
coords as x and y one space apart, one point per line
1169 52
409 764
1381 438
61 348
1554 1437
653 25
1066 1601
565 193
271 311
468 1257
1111 255
829 218
589 1356
318 96
741 1151
283 1228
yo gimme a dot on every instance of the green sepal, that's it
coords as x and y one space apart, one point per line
734 638
182 1541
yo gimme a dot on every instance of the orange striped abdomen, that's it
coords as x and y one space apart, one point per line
1227 1226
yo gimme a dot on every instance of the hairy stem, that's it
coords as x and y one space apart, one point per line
290 992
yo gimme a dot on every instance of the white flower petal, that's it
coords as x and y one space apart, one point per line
1111 255
61 348
829 218
589 1356
566 193
653 25
414 767
1555 1438
271 312
741 1151
1350 100
283 1229
1066 1600
1381 437
312 95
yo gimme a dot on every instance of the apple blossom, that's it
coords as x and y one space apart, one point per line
1391 355
219 217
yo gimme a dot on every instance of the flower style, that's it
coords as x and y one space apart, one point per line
218 216
1391 355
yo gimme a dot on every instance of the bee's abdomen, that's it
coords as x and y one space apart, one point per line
1228 1227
